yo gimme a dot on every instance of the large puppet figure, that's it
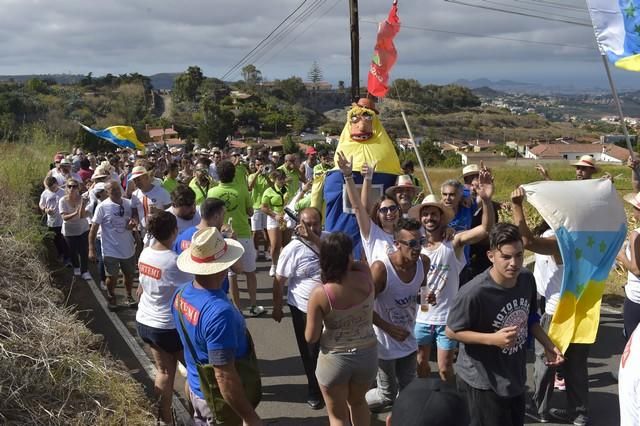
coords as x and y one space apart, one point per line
363 140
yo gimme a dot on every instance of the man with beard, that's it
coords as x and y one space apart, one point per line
147 198
397 278
492 317
299 269
447 260
183 207
292 173
404 192
585 168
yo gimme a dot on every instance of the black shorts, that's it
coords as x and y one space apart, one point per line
166 339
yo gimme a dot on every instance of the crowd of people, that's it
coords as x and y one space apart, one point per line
435 272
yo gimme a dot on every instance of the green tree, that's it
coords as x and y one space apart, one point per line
315 73
289 146
291 89
186 85
216 123
251 75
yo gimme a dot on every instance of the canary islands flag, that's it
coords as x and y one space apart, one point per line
617 27
590 225
122 136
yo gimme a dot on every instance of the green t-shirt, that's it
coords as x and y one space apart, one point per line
274 199
293 179
201 191
169 184
240 177
260 186
236 203
320 169
304 202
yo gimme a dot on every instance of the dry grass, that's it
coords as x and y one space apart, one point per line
50 370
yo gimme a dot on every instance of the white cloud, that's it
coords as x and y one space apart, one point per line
148 36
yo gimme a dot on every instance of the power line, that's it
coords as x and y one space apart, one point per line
528 9
436 30
304 31
495 9
554 4
234 67
292 27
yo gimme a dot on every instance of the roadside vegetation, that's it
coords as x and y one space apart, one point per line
52 368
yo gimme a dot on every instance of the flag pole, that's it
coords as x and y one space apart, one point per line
415 147
619 106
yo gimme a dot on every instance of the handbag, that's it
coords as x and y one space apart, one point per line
248 371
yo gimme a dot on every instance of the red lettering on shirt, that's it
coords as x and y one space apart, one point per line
190 313
149 271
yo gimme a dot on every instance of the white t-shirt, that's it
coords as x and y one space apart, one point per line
444 273
629 382
159 278
184 224
632 289
548 275
50 200
397 305
157 196
301 266
379 244
113 218
62 179
74 226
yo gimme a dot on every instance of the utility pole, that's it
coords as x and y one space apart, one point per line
355 50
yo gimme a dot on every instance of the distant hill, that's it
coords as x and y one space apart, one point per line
58 78
510 86
163 81
487 92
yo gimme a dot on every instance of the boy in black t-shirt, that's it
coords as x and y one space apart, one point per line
491 317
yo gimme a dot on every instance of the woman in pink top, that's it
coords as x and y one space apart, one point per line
348 359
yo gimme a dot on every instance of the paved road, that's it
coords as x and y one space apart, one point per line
285 384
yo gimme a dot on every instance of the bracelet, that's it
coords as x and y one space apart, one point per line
348 177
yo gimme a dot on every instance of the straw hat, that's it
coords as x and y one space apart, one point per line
586 161
209 253
430 200
471 169
137 172
404 181
633 199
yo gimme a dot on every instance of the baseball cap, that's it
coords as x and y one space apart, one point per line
429 402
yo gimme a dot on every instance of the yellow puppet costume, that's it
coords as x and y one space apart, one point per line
363 140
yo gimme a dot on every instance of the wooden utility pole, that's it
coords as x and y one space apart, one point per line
355 50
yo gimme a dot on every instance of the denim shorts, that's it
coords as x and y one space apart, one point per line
428 334
166 339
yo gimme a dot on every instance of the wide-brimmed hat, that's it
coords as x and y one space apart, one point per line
431 200
137 172
586 161
403 182
209 253
633 199
65 162
471 169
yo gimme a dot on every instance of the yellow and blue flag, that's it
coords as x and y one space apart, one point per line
617 27
122 136
590 225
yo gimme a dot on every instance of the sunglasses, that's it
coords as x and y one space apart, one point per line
72 186
390 209
413 244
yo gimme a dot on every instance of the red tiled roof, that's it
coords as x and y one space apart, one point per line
157 132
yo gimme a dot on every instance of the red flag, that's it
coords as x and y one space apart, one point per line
384 54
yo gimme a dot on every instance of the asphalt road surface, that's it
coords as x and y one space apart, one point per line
284 382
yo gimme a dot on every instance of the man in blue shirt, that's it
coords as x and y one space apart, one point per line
212 214
211 329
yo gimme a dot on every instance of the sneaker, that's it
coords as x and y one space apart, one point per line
68 264
272 271
315 401
255 311
131 302
76 272
103 286
559 384
537 417
376 402
561 414
112 303
581 420
86 276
